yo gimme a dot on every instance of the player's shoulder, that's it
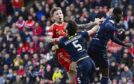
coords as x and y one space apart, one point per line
52 26
82 33
110 20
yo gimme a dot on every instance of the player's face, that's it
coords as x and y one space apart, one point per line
58 16
118 17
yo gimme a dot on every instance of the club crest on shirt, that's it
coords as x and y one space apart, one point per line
59 32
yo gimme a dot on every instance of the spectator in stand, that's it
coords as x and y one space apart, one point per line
8 60
131 22
9 8
2 79
24 13
16 16
40 13
48 74
20 23
37 30
115 3
9 21
113 70
17 4
125 59
57 76
29 23
2 9
127 75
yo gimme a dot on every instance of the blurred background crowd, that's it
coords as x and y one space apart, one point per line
26 60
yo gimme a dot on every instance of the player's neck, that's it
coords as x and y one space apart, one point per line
59 23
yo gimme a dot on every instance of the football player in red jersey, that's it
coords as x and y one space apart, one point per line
57 29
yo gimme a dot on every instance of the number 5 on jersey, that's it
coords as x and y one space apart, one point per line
76 45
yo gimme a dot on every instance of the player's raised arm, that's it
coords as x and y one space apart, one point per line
91 24
110 28
93 30
86 26
116 40
47 39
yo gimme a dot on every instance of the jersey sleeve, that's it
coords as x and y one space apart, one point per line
50 31
109 27
60 43
84 34
117 40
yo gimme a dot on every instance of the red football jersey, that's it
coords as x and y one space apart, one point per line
58 30
63 56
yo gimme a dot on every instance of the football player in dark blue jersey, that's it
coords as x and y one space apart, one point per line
97 47
74 44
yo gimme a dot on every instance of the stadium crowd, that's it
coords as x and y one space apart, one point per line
24 59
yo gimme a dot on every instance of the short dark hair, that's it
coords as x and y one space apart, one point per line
54 9
117 11
117 14
71 28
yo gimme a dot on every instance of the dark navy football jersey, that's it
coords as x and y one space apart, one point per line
75 45
104 34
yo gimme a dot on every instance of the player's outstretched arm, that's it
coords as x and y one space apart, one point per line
110 28
47 39
116 40
86 26
93 30
90 24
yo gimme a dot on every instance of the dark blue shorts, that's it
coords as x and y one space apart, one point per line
100 58
85 71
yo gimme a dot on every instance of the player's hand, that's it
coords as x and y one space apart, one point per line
47 39
102 19
129 45
98 21
55 47
121 31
